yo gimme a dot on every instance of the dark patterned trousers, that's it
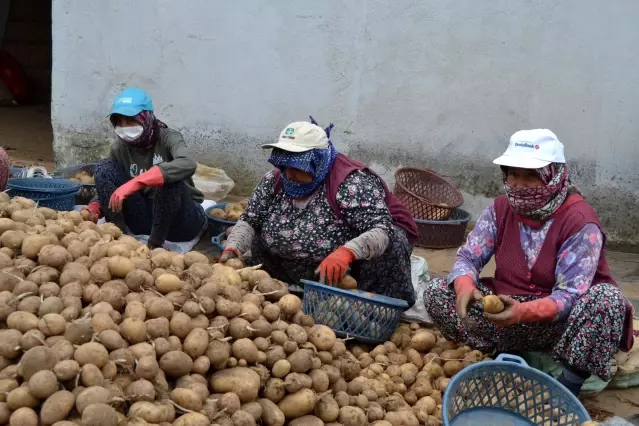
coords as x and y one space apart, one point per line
585 341
165 213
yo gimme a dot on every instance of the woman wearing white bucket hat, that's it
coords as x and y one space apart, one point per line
319 214
551 275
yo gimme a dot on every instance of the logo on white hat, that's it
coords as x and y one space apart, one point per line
288 133
526 145
532 149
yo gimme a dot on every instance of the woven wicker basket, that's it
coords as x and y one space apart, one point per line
427 195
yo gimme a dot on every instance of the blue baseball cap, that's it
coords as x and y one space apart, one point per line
131 101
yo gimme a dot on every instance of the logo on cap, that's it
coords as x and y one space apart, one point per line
125 100
526 145
289 131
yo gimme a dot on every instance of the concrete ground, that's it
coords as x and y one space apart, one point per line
26 135
625 268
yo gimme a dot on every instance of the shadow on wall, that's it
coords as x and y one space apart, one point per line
243 159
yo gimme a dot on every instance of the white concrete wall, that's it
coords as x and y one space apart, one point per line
438 84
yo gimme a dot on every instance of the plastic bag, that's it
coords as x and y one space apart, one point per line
618 421
214 183
419 277
543 361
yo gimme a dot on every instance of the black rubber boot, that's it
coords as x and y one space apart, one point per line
118 220
153 245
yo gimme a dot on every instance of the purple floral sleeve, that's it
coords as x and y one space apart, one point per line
479 248
576 267
576 263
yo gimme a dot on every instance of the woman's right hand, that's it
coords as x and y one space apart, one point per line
91 212
87 215
467 294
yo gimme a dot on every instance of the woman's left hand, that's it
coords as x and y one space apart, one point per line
151 178
334 267
509 316
116 202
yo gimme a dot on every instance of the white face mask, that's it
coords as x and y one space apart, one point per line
129 133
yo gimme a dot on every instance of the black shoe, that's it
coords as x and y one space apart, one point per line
572 387
153 246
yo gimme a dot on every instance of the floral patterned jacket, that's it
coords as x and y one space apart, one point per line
309 231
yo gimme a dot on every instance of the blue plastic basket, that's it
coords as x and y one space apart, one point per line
217 241
64 202
366 316
44 188
217 225
57 194
480 395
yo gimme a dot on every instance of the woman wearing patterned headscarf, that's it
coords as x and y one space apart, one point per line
145 185
319 214
551 274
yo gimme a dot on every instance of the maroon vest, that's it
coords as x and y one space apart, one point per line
341 169
512 275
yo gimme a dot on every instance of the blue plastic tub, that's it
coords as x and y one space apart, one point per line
217 240
363 315
479 396
217 225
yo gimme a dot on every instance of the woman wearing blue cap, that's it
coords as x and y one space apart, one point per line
319 214
145 187
556 291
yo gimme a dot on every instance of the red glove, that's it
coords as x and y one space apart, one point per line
95 211
229 253
515 312
334 267
152 177
467 293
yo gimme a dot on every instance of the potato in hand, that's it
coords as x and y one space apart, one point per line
492 304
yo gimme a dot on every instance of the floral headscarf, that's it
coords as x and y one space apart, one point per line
541 202
317 162
151 126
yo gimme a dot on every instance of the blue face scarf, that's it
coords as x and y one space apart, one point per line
317 162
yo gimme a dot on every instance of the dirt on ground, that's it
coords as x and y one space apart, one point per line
26 135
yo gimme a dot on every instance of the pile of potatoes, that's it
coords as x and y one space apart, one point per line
84 177
230 212
98 330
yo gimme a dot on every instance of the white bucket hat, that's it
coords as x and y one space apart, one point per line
532 149
300 136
